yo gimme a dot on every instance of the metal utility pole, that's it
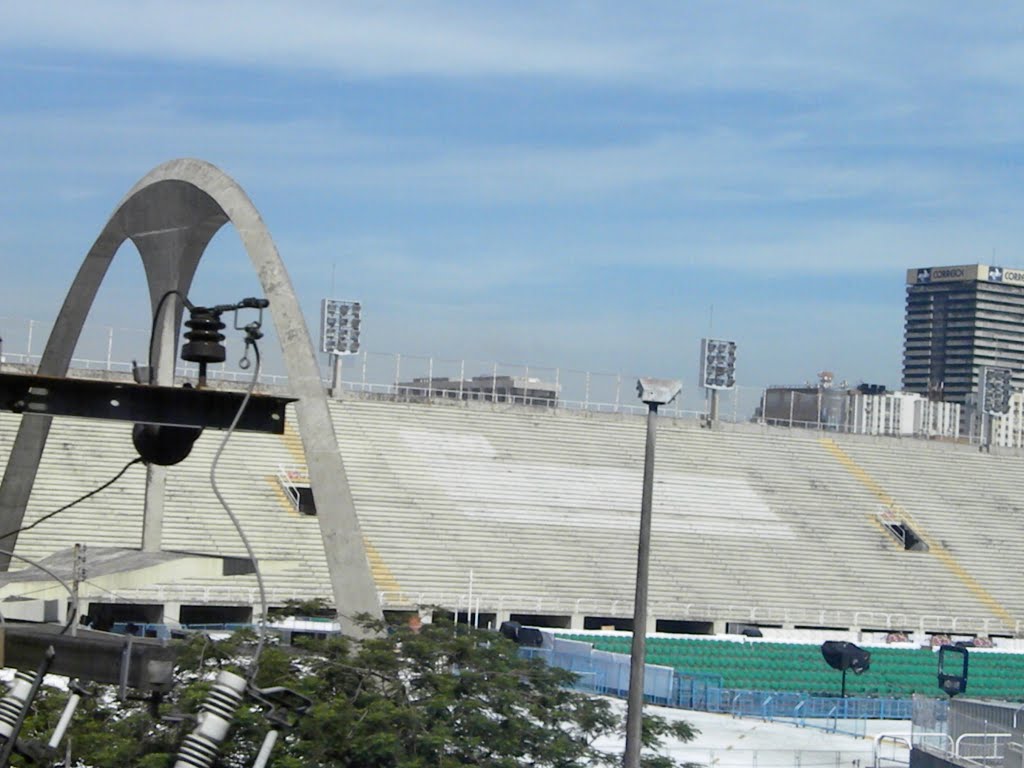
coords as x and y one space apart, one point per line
653 392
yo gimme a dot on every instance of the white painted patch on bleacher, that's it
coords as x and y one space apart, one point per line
453 443
468 471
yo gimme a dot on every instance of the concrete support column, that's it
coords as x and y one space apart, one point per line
172 613
153 511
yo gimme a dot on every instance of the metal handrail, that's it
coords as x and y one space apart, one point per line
995 742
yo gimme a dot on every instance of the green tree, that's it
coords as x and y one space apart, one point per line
442 696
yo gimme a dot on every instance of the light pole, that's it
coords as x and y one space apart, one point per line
653 392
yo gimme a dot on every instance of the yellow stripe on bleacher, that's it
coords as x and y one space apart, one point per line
382 575
293 442
934 546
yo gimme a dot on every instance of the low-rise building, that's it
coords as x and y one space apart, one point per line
527 390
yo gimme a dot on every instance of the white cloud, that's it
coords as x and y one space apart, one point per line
782 47
706 166
354 39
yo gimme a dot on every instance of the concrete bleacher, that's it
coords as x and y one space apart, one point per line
539 508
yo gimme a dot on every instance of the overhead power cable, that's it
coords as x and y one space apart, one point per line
262 626
69 505
73 613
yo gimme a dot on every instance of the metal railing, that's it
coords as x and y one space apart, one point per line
110 348
607 673
107 348
567 607
752 614
290 477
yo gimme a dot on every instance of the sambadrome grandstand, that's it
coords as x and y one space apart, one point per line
530 513
498 511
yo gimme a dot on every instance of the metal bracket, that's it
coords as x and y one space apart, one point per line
30 394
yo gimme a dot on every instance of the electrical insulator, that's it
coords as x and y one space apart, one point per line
205 340
199 749
12 704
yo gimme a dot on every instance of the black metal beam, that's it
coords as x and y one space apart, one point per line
141 663
126 401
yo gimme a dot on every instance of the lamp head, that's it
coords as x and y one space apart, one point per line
658 391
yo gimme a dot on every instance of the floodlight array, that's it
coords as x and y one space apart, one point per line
717 364
997 389
339 326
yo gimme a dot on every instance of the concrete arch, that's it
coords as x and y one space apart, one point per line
171 215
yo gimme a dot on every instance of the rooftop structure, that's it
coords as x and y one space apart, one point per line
527 390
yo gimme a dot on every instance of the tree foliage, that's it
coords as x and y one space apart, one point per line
442 695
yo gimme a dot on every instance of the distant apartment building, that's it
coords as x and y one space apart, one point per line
527 390
960 319
902 413
866 410
1007 430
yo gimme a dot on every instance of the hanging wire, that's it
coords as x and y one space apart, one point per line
79 500
262 626
73 613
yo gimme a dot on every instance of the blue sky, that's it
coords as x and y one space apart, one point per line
568 185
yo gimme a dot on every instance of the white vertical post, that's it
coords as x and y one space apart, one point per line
494 384
469 601
430 377
462 376
28 351
110 345
336 365
398 369
558 394
526 386
792 396
586 393
618 389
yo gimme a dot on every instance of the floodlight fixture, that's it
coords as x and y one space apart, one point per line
952 673
844 656
996 389
717 364
339 326
658 391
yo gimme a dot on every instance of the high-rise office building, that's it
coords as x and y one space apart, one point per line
959 320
